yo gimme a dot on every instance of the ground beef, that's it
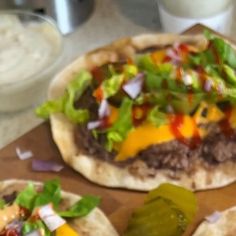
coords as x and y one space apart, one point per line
174 155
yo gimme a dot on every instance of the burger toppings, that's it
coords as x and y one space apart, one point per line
37 211
167 211
174 94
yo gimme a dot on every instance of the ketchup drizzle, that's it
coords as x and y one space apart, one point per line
175 126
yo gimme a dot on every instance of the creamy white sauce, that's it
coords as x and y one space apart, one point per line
24 50
29 57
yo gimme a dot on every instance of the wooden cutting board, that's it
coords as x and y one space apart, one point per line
116 203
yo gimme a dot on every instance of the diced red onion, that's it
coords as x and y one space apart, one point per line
41 165
208 85
23 155
94 124
15 225
34 233
50 218
214 217
134 87
173 55
104 109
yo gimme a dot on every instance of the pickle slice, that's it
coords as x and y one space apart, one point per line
160 217
166 212
183 198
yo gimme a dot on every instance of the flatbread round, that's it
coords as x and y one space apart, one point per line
110 175
95 224
224 226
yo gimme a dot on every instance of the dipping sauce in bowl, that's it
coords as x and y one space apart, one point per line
30 53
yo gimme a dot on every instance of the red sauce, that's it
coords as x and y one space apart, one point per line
176 124
98 94
10 232
98 74
139 114
225 124
179 74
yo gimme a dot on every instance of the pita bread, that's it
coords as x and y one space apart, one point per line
224 226
105 173
95 224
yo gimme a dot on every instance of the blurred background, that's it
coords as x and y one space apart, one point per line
88 24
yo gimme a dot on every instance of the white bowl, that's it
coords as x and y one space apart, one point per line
220 22
30 53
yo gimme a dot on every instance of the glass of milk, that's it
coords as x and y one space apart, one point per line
30 53
177 15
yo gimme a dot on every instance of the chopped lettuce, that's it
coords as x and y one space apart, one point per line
119 130
230 73
51 194
2 203
30 198
31 226
81 208
112 85
156 117
26 197
65 104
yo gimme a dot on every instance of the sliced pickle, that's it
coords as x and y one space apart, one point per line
167 211
183 198
160 217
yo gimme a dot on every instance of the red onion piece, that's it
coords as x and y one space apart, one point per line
208 85
94 124
173 55
44 166
50 218
15 225
134 87
23 155
104 109
214 217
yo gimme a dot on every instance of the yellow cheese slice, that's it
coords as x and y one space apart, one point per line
147 135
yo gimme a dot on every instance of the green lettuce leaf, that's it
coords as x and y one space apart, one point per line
81 208
65 104
2 203
112 85
156 117
51 194
26 197
230 73
122 126
29 227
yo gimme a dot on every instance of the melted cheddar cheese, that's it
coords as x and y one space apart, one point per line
147 135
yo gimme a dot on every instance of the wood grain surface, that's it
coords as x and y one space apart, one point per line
118 204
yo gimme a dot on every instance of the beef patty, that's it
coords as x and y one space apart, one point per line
214 149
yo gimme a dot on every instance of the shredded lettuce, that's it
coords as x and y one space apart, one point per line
31 226
2 203
156 117
119 130
51 194
112 85
30 198
65 104
26 197
81 208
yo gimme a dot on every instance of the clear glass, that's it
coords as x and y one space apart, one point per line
27 86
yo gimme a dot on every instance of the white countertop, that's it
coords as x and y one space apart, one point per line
111 19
